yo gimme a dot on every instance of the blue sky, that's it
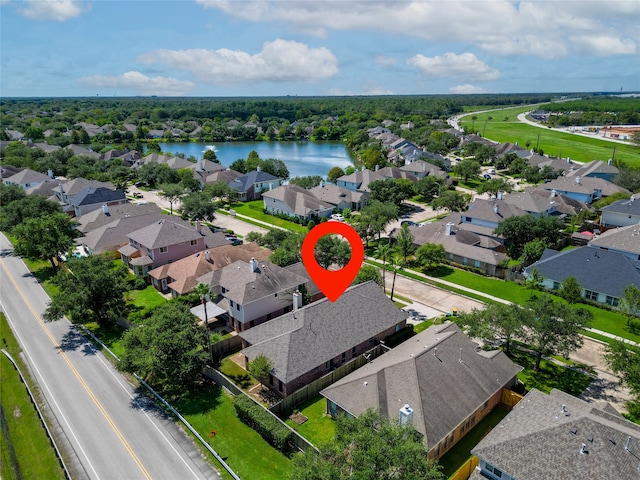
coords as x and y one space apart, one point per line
305 47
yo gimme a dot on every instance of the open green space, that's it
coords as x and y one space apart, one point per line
461 451
254 209
237 374
147 298
23 438
553 143
210 411
320 427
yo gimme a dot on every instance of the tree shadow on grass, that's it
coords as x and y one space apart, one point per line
244 381
439 271
206 396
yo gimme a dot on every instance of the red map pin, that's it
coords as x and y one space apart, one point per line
332 283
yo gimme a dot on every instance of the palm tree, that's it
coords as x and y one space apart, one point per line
383 252
396 263
202 290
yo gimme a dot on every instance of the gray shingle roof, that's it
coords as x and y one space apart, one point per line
115 234
598 270
596 166
244 286
625 207
97 218
335 195
537 441
165 233
485 210
300 201
426 372
27 176
243 182
624 239
302 340
93 195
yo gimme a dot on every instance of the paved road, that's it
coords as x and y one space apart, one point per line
105 428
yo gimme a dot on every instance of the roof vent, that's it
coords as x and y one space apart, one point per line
564 410
583 449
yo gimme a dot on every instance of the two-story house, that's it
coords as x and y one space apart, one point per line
27 178
160 243
296 202
255 291
250 186
340 197
621 213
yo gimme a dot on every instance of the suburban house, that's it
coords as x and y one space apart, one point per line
250 186
557 204
114 235
484 216
508 147
557 165
625 240
602 274
421 169
255 291
27 178
92 198
225 176
534 203
202 169
309 342
584 189
45 189
340 197
296 202
462 245
181 277
313 292
594 169
439 382
160 243
360 180
557 436
621 213
66 191
103 216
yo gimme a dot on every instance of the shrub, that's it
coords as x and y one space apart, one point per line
267 426
138 283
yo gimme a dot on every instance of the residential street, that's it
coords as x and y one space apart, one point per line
105 428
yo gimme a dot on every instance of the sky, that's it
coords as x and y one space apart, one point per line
230 48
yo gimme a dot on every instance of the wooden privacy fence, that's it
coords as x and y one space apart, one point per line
510 398
228 345
465 471
286 405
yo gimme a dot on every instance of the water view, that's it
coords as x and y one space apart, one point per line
301 158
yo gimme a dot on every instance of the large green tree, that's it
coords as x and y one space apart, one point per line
430 255
334 174
374 218
429 187
369 447
496 323
172 192
552 327
467 169
45 237
404 243
451 200
30 206
393 190
494 186
520 230
366 273
90 290
197 206
168 351
331 250
629 304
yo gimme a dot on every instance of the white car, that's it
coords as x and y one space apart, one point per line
337 217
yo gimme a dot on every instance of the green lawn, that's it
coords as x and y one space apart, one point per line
461 452
23 437
579 148
211 410
320 428
147 298
238 374
254 209
550 375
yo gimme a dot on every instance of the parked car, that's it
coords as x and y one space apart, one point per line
491 171
409 223
487 176
337 217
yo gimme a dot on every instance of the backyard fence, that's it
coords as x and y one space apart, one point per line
510 398
286 405
226 346
465 471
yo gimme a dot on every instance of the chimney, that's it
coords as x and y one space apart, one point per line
50 173
568 159
448 230
253 265
105 209
321 183
499 196
495 208
258 168
297 300
578 179
610 161
377 167
200 165
406 416
207 256
198 226
553 193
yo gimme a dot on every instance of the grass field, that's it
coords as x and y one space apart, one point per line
23 437
211 410
254 209
578 147
320 428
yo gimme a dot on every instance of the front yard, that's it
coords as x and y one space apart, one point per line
255 209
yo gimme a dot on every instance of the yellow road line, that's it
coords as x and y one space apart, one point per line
78 376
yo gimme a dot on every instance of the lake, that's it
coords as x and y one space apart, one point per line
301 158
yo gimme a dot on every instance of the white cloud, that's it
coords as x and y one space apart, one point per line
605 45
141 84
502 27
58 10
466 89
278 61
465 65
369 89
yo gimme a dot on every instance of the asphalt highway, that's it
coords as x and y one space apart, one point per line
106 429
